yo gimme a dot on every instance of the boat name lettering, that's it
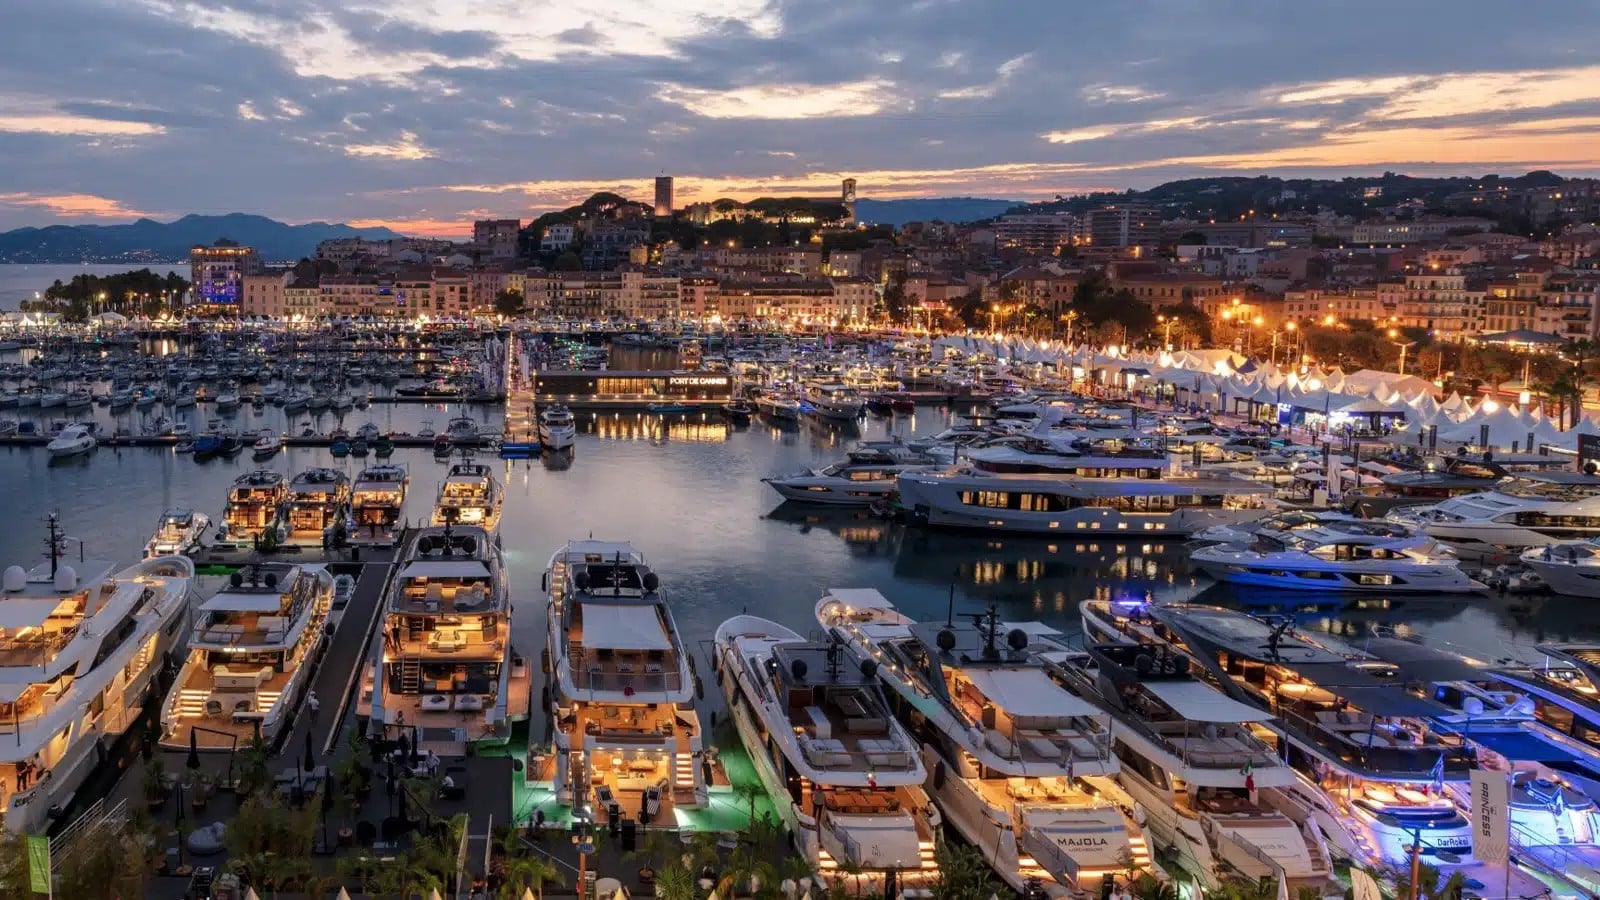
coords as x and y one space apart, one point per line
1083 842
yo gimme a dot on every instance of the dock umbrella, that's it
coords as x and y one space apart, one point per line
343 895
327 807
310 758
193 761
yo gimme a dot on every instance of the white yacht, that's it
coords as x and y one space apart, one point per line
622 688
846 483
179 532
462 429
556 429
778 406
836 401
319 503
252 654
1018 762
1530 510
75 439
1195 768
80 648
1141 499
846 777
1288 521
1350 555
445 664
257 502
377 499
469 495
267 443
1571 568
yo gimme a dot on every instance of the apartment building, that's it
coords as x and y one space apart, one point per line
1317 305
1448 304
1036 233
262 295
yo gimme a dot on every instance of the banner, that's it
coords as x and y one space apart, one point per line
1366 887
1491 823
39 863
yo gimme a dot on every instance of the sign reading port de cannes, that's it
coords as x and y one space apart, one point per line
1491 823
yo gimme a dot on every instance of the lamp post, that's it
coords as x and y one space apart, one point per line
1394 334
1166 331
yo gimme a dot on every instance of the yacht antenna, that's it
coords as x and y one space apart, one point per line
832 656
990 628
950 607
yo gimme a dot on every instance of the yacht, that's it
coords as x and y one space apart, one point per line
178 533
80 648
377 499
1194 765
267 443
445 665
462 430
296 400
1284 522
1018 762
1571 568
256 504
847 779
1347 727
319 503
836 401
252 654
846 483
74 440
778 406
469 495
1351 555
228 398
1531 510
622 689
556 429
1108 499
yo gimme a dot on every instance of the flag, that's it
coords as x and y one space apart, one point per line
39 864
1437 772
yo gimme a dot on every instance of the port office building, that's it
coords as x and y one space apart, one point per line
591 389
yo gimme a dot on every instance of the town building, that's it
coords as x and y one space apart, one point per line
663 206
496 239
263 294
1130 226
1415 231
217 275
1036 233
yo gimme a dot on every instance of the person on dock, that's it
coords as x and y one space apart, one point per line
313 704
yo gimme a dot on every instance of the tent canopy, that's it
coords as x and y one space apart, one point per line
26 612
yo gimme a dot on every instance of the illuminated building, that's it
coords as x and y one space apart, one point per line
663 208
218 272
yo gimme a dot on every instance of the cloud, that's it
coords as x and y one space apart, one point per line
1002 77
406 148
72 206
1119 93
1077 135
783 101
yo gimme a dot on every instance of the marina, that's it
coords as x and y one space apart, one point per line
982 623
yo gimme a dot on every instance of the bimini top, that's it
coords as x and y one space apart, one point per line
1029 693
623 627
1199 702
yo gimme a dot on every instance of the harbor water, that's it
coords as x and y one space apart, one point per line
687 491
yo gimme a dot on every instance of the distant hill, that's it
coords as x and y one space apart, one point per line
150 241
923 209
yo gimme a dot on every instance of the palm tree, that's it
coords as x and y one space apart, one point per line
675 881
749 792
1147 887
529 872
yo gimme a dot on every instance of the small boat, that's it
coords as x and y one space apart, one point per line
182 430
358 448
340 449
185 445
901 403
267 443
178 533
738 411
556 428
426 431
8 427
161 427
79 399
207 444
72 441
669 409
441 445
368 432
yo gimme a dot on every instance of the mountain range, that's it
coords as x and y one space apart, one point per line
147 240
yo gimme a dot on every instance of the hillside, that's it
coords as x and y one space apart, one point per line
147 240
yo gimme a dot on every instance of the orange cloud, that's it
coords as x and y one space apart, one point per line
73 206
434 228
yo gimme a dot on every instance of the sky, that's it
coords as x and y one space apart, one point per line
426 114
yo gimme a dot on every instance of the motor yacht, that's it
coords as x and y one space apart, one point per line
81 645
622 690
319 504
74 440
1018 762
462 430
1193 762
1531 510
847 779
377 499
836 401
1350 555
445 672
1289 521
469 495
257 503
52 398
368 432
267 443
1365 740
228 398
778 406
1144 500
556 428
1570 568
252 654
296 399
846 483
79 398
178 533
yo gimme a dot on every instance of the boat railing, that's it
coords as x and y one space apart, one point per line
1554 858
599 677
1358 747
35 650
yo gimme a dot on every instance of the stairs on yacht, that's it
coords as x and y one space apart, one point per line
410 675
192 702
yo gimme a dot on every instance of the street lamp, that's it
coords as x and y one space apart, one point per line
1394 334
1166 326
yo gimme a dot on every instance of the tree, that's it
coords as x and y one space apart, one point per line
508 303
749 792
568 262
894 297
963 873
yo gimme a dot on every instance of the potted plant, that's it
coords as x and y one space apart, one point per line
155 783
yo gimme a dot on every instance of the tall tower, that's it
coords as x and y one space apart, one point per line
663 197
848 197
